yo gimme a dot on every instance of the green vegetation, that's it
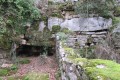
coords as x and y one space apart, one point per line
16 78
58 75
71 53
68 6
98 8
110 71
8 71
23 61
66 30
62 35
117 11
4 72
14 15
36 76
56 14
115 21
95 68
56 28
44 18
14 67
50 2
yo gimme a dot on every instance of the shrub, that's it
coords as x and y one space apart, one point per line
97 7
56 28
14 67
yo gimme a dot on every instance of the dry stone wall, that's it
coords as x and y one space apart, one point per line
69 70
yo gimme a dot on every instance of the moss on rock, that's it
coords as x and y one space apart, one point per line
107 70
96 69
110 71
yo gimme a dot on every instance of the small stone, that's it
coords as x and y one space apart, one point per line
81 63
99 78
6 65
100 66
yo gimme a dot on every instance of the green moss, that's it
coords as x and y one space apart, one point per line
44 18
24 61
56 28
71 53
110 71
4 72
79 61
36 76
96 69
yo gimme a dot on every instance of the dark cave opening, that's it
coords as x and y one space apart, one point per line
30 50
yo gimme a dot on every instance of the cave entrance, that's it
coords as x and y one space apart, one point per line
30 50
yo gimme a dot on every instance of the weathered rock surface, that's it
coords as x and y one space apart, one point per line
69 71
81 24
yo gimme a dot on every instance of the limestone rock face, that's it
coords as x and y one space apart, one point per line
81 24
41 26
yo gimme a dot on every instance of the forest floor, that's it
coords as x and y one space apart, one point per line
48 65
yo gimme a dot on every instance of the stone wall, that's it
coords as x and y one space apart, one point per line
69 70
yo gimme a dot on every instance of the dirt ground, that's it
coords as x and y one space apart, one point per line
38 65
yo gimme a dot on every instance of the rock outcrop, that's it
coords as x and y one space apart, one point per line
79 24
